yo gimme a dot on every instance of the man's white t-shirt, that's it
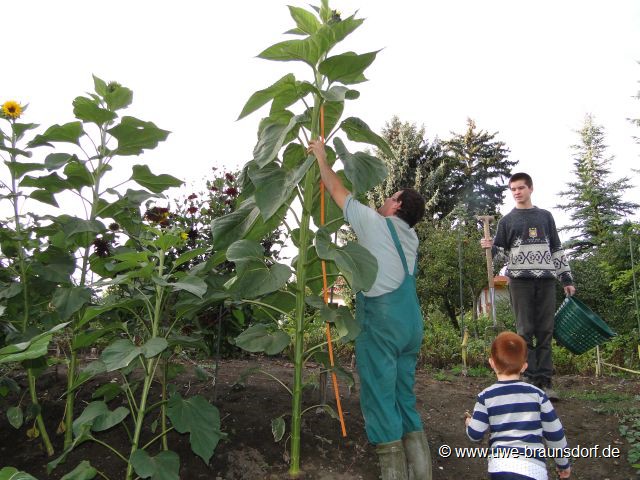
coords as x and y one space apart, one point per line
373 234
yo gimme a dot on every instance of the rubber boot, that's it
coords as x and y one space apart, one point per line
393 463
416 449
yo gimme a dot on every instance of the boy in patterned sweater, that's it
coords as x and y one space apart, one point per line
528 240
520 418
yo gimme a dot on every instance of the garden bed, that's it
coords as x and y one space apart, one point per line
590 410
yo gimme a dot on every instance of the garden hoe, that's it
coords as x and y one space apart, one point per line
492 291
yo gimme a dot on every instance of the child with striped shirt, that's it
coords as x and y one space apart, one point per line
523 426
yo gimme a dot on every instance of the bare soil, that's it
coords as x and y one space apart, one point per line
250 451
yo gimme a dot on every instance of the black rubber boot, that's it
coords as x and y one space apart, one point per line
393 463
416 449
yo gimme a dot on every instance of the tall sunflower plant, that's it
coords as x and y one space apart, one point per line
283 179
110 276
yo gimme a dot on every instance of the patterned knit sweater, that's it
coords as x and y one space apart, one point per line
527 240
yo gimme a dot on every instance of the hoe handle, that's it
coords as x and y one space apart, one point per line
487 235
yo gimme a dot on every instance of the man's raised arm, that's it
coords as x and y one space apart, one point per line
331 180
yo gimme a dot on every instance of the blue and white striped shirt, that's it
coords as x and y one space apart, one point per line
518 416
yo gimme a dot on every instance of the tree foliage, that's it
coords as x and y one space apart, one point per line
594 201
477 168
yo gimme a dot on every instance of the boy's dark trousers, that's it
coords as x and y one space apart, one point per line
534 303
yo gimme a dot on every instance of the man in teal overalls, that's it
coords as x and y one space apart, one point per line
392 326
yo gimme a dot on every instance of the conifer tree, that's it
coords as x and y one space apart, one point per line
594 201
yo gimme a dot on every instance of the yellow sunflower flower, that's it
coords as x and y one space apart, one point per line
11 109
184 235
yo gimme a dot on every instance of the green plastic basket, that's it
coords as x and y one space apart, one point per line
579 329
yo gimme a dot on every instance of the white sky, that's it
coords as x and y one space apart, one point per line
529 70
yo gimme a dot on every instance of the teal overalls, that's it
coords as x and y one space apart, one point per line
386 355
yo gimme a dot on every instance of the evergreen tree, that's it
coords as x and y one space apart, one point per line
417 164
476 173
596 204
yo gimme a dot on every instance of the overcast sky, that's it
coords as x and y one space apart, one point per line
529 70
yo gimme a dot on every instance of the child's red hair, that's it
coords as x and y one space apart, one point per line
509 353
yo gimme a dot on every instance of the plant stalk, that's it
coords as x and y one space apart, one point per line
301 279
25 297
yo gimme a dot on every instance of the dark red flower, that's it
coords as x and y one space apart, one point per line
192 209
231 191
229 177
114 227
158 215
228 202
213 188
102 247
192 196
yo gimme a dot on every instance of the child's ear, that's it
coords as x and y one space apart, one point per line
493 365
524 367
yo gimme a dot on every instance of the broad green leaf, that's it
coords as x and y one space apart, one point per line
74 225
119 354
229 228
201 419
338 93
116 96
53 161
54 265
94 368
332 113
11 291
18 169
278 428
33 348
100 86
88 110
15 417
94 311
191 254
192 284
164 466
355 262
156 183
308 50
255 279
314 270
275 185
84 471
85 434
339 315
98 416
107 391
78 175
8 385
167 241
257 338
305 20
281 300
19 129
52 182
11 473
347 68
363 171
261 97
154 346
270 141
109 419
69 133
359 131
245 250
135 135
87 338
67 301
44 196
